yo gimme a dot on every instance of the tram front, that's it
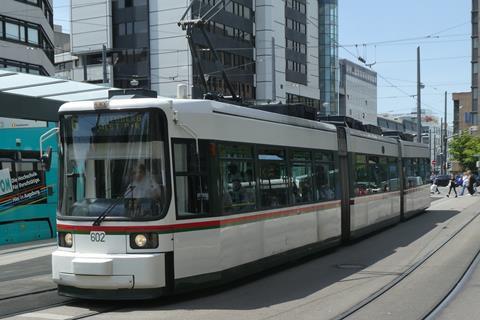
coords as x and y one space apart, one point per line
114 200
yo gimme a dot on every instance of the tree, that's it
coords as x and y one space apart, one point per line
463 149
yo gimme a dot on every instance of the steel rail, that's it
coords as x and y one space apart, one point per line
375 295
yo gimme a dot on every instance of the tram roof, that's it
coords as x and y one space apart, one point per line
28 96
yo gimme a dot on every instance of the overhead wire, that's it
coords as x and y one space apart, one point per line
400 41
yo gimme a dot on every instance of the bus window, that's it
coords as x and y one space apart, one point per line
23 166
6 165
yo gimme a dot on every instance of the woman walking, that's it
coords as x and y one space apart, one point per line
453 186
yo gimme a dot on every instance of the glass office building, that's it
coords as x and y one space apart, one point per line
328 56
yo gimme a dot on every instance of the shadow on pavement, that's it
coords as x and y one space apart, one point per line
304 277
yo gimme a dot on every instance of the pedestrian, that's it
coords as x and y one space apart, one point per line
434 187
452 184
459 181
464 183
471 182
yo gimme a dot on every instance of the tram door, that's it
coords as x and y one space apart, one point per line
344 182
401 171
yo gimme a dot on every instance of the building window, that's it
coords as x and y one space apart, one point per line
22 31
296 46
17 66
296 67
12 31
296 5
44 5
311 102
32 36
233 7
296 26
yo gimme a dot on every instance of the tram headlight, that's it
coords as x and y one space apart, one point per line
144 241
65 239
140 240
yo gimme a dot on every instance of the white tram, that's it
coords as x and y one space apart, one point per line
161 195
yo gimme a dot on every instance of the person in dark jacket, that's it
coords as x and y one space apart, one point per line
452 185
471 182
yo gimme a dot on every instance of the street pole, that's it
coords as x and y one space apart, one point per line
435 148
419 100
445 134
430 141
441 145
104 63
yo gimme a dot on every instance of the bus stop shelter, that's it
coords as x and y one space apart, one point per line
33 97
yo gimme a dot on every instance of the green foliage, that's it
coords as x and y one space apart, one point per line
463 149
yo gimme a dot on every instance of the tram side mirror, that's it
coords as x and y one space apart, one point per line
47 159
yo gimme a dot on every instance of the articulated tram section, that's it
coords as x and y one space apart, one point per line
224 209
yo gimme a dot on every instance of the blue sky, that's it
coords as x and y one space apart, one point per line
61 13
440 28
445 55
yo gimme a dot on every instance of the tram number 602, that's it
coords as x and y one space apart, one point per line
96 236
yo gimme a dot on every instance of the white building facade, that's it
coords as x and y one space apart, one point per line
358 92
270 49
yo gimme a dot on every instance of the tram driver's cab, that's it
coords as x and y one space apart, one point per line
113 161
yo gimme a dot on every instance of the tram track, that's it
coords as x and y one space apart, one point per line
27 294
31 302
95 313
84 309
456 289
383 290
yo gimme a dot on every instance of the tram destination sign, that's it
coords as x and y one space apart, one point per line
109 125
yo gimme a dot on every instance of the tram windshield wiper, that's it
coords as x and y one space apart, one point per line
103 215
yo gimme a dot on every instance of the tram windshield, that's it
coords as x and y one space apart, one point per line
113 162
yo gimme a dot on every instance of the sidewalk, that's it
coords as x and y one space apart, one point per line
444 192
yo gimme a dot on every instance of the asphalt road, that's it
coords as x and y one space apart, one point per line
326 286
320 287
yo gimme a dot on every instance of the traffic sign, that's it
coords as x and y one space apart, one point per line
434 162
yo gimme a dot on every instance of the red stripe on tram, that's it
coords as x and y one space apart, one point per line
201 224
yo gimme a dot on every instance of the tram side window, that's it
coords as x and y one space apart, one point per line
324 175
412 175
377 167
301 166
393 178
191 189
237 177
361 184
273 178
421 171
